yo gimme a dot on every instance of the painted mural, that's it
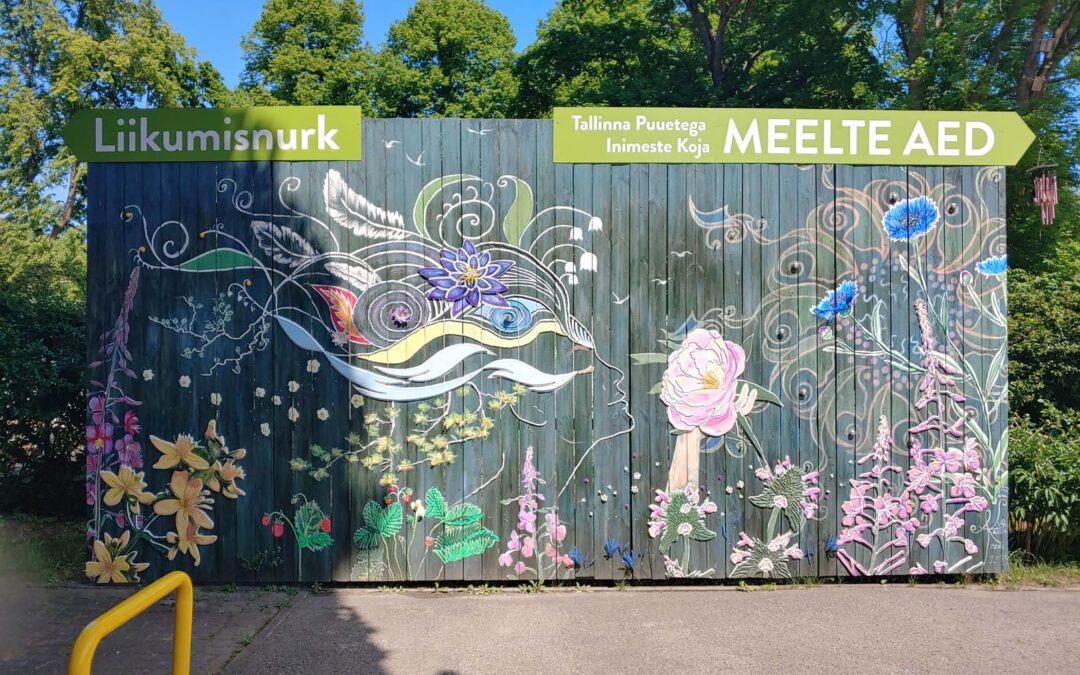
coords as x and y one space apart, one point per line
458 360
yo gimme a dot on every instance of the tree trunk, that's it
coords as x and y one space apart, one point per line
69 202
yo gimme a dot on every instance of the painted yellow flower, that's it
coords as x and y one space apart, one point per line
182 451
189 502
189 543
231 472
109 566
126 484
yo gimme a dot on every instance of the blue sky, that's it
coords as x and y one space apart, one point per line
214 27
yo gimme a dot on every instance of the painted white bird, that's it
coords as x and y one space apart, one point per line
419 161
389 144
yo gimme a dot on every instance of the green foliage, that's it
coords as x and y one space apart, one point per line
42 396
447 58
1044 337
57 57
307 52
1044 485
602 52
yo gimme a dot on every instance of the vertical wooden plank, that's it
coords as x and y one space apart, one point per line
803 270
736 458
786 334
614 296
826 401
678 290
766 232
846 421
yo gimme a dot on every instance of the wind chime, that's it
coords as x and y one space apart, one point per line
1045 190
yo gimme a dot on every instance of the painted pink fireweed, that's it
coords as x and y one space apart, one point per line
676 518
534 546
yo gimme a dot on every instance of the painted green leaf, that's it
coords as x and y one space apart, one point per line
426 194
463 514
366 539
390 520
763 394
649 357
319 541
219 260
436 504
701 533
371 514
655 389
458 543
520 211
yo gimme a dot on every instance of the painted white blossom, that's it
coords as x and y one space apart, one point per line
276 399
570 268
357 400
294 386
323 414
313 365
294 414
637 475
595 223
633 489
185 381
587 261
260 392
739 485
575 234
147 374
264 429
571 279
215 398
729 489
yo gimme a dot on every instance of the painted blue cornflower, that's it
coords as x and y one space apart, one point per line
836 303
911 218
611 548
579 559
629 560
993 266
832 545
467 278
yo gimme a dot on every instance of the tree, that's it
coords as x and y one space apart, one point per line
964 53
789 53
610 52
60 56
770 53
448 58
307 52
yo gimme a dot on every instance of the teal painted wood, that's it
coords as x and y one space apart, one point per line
647 411
657 253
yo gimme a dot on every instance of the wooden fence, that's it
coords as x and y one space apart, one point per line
456 360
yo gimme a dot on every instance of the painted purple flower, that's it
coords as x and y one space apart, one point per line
129 451
467 278
98 437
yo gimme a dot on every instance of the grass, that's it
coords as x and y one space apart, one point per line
42 550
1047 575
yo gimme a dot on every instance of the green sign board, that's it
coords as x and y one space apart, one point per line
293 133
780 136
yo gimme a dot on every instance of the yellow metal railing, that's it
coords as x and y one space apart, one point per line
82 655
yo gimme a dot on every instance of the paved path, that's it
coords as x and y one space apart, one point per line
845 629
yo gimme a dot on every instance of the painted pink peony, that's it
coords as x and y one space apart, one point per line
699 386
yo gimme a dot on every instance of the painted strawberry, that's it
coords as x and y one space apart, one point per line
429 542
265 520
324 525
406 497
278 530
392 488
